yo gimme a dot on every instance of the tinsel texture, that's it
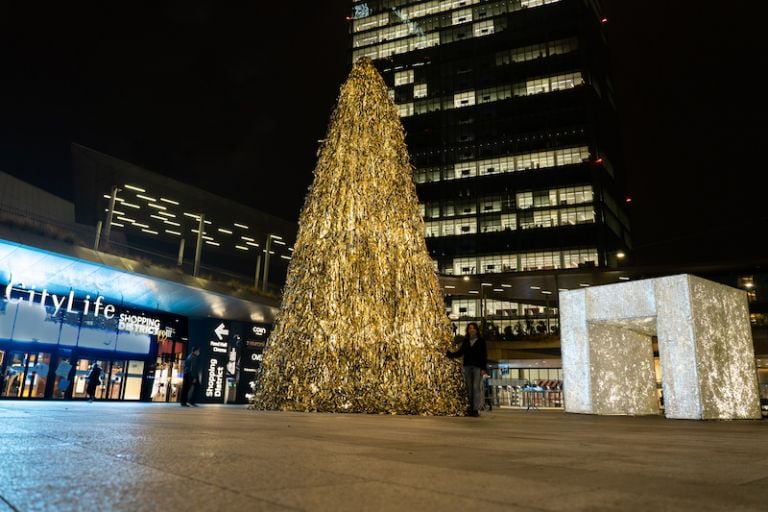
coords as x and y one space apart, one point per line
362 327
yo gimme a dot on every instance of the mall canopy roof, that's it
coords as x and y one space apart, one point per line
128 282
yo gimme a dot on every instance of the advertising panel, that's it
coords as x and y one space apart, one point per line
230 353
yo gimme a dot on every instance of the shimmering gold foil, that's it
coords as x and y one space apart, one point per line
362 327
705 349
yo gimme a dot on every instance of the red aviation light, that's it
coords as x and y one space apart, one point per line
628 200
603 20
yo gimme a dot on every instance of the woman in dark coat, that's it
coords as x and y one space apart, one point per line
475 360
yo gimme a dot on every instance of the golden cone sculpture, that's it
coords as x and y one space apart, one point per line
362 327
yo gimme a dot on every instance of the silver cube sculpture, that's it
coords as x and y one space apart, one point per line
704 340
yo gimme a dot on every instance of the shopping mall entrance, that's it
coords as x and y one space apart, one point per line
60 373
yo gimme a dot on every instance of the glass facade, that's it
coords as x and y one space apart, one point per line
49 343
508 112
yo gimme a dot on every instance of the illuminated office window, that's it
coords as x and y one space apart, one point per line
581 215
464 266
464 99
524 200
508 222
404 77
545 260
545 218
365 39
370 22
483 28
371 53
405 109
568 81
570 156
526 53
461 16
425 41
431 210
464 170
490 204
425 106
496 165
490 224
536 86
563 46
544 198
575 195
432 229
494 94
579 257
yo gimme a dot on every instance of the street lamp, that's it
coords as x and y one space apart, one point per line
110 214
547 293
199 244
482 306
267 250
258 269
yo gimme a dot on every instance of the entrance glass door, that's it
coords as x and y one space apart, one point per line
168 372
13 374
63 375
82 367
38 367
120 380
116 377
133 380
25 374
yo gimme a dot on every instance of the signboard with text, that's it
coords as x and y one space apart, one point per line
230 354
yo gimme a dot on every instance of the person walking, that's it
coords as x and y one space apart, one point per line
191 378
94 379
475 354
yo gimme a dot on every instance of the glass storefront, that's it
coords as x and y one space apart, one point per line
25 373
61 315
49 342
168 373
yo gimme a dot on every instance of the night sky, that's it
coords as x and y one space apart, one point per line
234 99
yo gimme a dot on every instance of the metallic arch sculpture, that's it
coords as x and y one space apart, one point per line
705 349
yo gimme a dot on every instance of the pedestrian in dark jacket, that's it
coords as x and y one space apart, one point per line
475 355
94 379
191 378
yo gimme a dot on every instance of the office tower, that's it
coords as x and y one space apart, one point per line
511 128
510 125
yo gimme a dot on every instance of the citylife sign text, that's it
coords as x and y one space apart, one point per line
15 293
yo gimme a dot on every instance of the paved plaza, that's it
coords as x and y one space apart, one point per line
78 456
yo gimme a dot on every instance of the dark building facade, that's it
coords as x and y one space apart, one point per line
156 217
510 124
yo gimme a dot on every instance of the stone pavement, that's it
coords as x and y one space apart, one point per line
78 456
